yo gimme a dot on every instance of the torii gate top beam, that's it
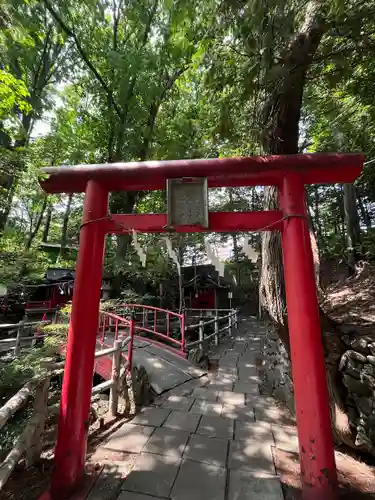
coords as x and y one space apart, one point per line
316 168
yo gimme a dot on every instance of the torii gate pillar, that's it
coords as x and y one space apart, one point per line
318 470
70 453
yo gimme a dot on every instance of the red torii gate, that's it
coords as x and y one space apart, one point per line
289 174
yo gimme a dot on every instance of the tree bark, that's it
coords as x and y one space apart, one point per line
353 230
38 223
47 224
64 230
364 212
235 240
281 134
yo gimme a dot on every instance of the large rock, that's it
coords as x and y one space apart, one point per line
141 386
346 340
368 380
198 357
353 416
360 344
357 356
352 369
371 346
358 387
364 405
368 370
371 359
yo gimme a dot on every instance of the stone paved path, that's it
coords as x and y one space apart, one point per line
208 439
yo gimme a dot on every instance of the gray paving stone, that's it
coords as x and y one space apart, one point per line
216 427
109 482
254 430
129 495
202 407
248 366
244 486
199 482
182 421
152 475
167 442
129 438
246 388
179 403
238 348
222 384
231 398
238 412
228 362
251 455
227 371
267 411
154 417
207 450
208 394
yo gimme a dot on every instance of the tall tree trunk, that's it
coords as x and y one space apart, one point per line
353 230
235 240
121 202
64 229
38 223
364 212
281 134
47 224
341 220
318 223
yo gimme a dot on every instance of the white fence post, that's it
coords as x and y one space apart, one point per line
201 332
230 323
17 348
217 330
114 391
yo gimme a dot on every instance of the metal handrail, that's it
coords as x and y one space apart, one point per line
169 315
201 325
233 313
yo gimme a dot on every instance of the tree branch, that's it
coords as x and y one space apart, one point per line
84 56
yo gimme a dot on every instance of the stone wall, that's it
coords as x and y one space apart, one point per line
277 375
357 369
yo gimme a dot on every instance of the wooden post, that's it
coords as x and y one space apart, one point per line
217 330
114 392
34 446
17 348
201 332
230 323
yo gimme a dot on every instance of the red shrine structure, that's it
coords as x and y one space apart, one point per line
290 174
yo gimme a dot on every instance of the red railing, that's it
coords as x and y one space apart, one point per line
156 322
113 327
130 319
39 304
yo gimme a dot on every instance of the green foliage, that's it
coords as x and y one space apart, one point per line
13 94
162 80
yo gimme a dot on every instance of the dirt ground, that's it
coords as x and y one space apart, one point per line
356 479
352 301
32 483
